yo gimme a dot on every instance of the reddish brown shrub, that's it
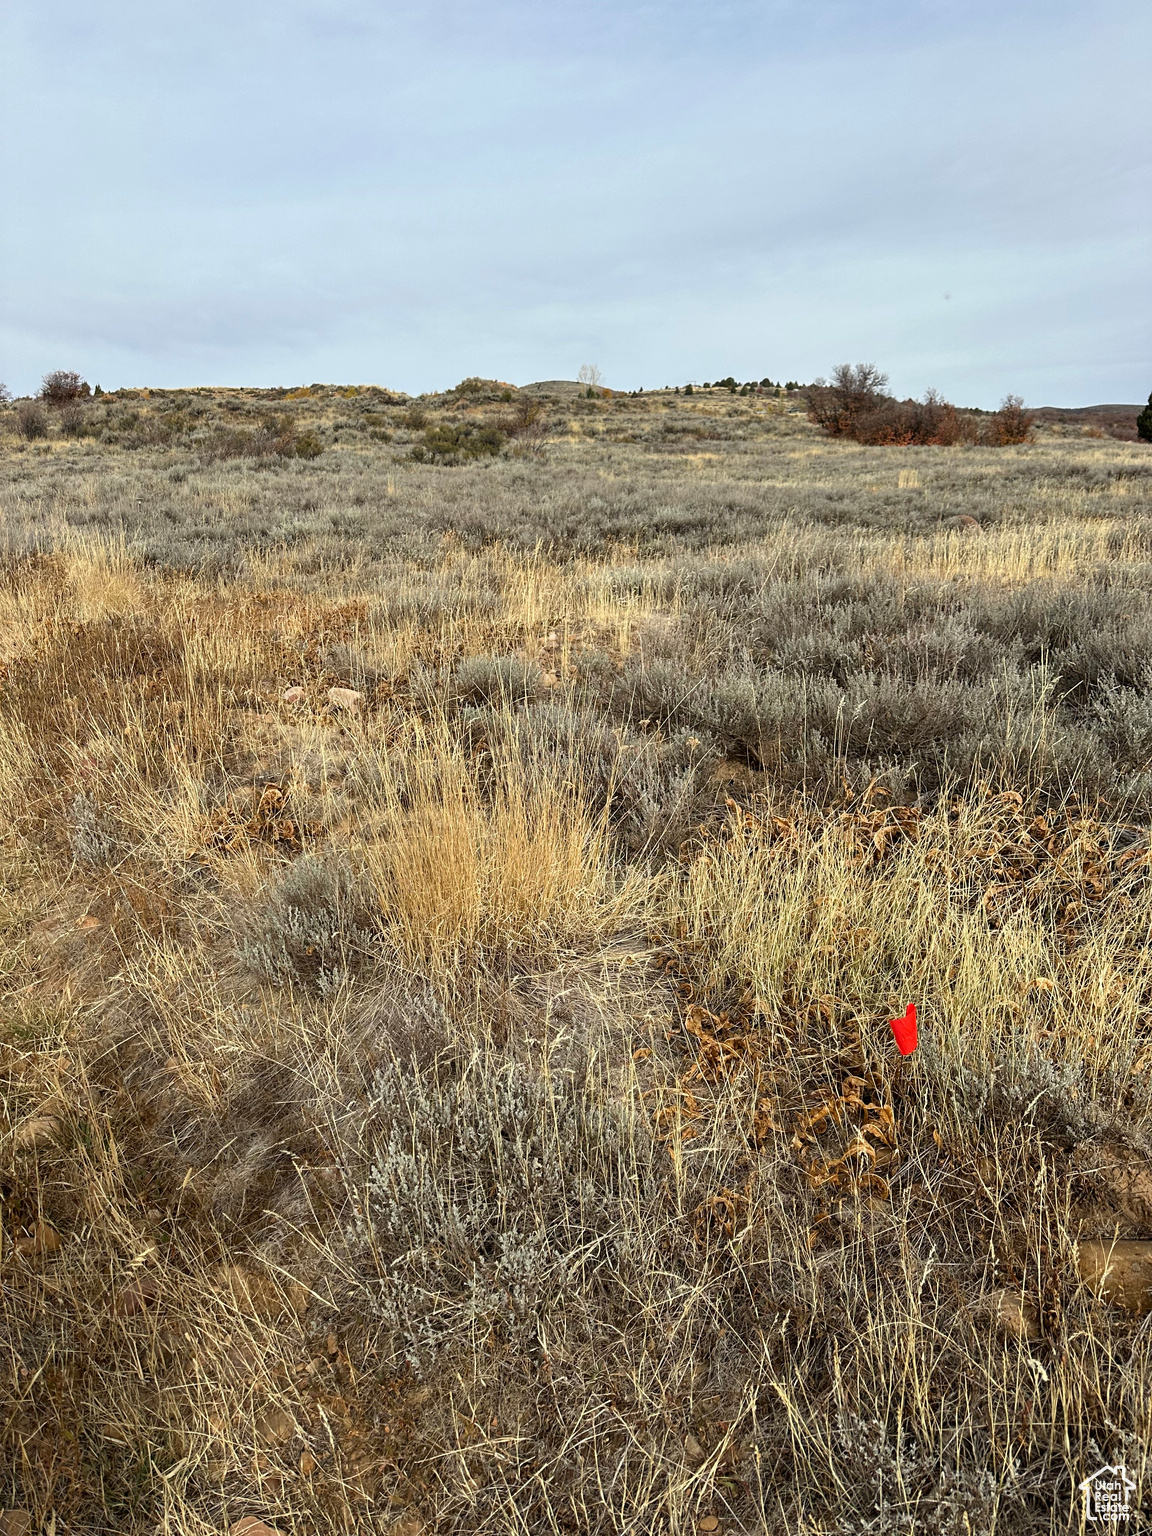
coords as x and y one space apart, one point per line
1011 423
854 393
62 388
854 405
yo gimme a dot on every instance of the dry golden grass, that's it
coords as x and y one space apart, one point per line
767 1274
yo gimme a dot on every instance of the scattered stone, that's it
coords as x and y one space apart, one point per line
710 1523
294 695
345 698
1014 1315
1120 1272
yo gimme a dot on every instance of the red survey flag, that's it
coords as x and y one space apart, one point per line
905 1030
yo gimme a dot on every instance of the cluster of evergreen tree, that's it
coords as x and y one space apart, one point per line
735 387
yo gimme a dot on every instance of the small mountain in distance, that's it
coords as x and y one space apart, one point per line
1093 420
561 388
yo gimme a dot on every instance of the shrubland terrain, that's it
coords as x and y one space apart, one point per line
464 1102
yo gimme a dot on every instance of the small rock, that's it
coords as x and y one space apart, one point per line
345 698
294 695
1121 1272
39 1131
138 1294
1014 1315
709 1523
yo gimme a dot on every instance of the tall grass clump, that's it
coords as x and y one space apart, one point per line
494 857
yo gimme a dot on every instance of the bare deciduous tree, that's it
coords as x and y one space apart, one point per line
854 390
62 387
590 376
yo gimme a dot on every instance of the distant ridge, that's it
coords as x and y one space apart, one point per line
1112 420
563 387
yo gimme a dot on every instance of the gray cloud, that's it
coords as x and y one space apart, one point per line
333 189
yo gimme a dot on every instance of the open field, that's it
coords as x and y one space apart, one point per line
471 1108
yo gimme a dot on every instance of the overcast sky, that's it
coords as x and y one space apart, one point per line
345 191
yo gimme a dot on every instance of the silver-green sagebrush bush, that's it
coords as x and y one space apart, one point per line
313 928
498 1197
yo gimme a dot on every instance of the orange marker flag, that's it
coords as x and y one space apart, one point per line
905 1030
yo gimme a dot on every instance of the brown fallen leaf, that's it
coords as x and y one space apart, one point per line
275 1426
88 923
693 1450
409 1524
43 1239
39 1131
307 1463
251 1525
258 1295
15 1522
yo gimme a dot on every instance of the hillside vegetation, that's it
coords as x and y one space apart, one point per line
464 1101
